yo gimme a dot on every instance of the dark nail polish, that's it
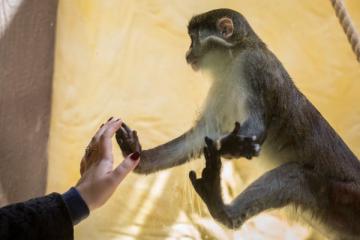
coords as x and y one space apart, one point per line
110 118
117 119
135 156
101 125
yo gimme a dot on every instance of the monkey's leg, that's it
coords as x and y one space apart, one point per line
276 188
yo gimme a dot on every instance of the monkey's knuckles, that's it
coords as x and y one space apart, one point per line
257 149
254 149
236 146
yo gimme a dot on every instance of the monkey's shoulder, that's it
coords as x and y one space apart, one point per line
263 70
260 59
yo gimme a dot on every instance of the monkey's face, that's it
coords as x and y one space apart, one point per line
213 35
210 37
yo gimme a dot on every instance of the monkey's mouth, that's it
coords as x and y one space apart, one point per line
195 65
193 60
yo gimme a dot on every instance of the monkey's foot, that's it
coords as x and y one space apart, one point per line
236 145
208 186
127 140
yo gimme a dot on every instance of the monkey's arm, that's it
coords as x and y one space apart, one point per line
265 77
276 188
172 153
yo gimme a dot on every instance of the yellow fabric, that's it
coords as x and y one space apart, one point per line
126 58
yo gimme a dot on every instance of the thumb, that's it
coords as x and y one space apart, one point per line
126 166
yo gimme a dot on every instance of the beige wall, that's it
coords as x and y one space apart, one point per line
27 36
126 58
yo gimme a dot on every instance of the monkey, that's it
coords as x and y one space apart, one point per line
314 170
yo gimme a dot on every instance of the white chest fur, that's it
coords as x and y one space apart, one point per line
225 104
226 101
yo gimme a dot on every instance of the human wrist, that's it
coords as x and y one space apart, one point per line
85 195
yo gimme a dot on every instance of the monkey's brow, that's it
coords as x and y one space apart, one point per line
194 23
190 29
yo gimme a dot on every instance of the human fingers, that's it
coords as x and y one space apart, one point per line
126 166
105 139
103 128
82 166
92 150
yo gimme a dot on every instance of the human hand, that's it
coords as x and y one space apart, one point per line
98 178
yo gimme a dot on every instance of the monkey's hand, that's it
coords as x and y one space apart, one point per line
236 145
127 140
208 186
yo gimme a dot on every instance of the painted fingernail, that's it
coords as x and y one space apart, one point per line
101 125
117 120
135 156
110 119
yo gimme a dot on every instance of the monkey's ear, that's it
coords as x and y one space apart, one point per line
225 26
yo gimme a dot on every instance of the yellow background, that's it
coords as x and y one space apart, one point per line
126 58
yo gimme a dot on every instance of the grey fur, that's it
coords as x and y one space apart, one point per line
252 86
